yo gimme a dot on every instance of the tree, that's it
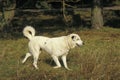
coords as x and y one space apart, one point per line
96 14
7 11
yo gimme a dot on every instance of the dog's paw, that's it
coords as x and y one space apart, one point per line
23 62
36 67
57 67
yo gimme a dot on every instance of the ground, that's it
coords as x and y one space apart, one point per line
98 59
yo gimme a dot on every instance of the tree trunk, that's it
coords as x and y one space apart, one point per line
96 15
7 9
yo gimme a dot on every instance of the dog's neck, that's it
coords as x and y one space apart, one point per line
69 42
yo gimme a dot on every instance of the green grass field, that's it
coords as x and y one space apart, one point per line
98 59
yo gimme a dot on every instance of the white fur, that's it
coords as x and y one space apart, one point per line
58 46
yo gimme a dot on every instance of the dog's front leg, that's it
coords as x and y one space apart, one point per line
64 62
55 58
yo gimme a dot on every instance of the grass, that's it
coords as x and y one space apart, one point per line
98 59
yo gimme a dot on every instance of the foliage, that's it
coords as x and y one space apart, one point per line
50 6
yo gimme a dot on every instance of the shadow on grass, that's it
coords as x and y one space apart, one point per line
42 24
51 62
115 23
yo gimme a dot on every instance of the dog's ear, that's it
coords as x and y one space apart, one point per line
73 37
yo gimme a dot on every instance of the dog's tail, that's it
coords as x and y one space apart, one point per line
29 32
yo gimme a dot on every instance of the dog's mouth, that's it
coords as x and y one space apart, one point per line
78 45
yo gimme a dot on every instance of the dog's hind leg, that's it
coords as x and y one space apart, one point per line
35 57
26 57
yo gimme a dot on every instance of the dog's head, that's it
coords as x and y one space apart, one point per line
76 40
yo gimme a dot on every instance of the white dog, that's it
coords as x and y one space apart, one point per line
58 46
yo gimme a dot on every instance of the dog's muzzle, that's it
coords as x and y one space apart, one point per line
80 43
